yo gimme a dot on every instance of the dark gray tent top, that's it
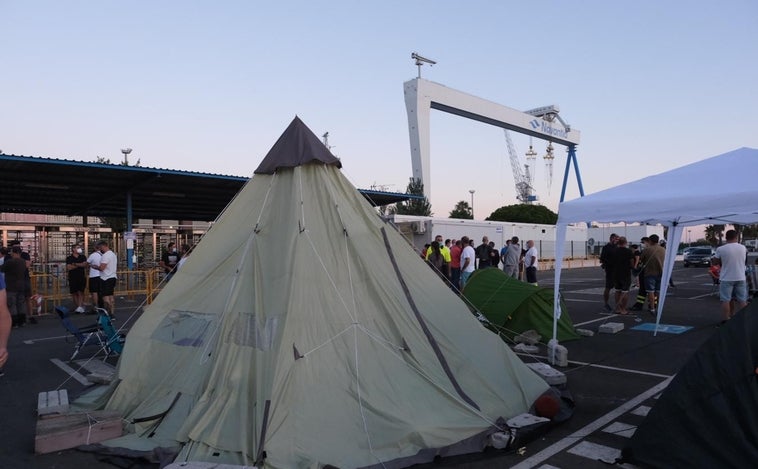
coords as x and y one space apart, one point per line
296 146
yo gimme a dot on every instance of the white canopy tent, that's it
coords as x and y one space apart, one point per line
719 190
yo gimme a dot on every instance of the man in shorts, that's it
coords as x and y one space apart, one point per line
623 261
652 258
733 287
108 266
75 264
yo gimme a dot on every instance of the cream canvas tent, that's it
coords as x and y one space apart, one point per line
305 331
718 190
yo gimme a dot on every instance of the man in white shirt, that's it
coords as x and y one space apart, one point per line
94 276
108 266
468 255
733 287
530 262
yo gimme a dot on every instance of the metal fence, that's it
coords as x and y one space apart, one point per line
52 286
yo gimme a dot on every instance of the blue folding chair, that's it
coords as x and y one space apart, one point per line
101 334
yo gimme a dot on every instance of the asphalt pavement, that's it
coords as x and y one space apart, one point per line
614 378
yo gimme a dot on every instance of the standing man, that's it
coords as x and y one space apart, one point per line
94 276
623 262
733 288
14 269
606 262
511 258
640 267
445 251
483 253
108 267
75 264
652 258
530 263
455 265
467 261
5 324
169 260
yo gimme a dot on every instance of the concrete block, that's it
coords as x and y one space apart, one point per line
557 354
611 327
548 373
52 402
523 348
530 337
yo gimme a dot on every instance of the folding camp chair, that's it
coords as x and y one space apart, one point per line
101 334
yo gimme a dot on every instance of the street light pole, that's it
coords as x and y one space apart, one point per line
471 191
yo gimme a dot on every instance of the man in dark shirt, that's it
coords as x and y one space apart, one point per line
483 253
15 271
606 262
77 281
622 262
169 260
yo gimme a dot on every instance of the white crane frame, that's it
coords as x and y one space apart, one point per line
421 96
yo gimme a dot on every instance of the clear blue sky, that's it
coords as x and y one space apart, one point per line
210 86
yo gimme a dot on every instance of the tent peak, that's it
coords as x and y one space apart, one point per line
297 146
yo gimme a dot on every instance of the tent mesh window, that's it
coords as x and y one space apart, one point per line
250 330
184 328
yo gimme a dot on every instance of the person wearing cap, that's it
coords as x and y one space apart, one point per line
94 276
606 262
75 264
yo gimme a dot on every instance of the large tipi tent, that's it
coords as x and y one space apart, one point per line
513 307
717 190
304 331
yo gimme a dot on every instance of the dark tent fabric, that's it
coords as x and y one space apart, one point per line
708 416
297 146
516 306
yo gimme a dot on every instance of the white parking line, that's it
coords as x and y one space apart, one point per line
596 452
32 341
591 428
70 371
621 429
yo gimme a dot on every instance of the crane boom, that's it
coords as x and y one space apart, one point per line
524 189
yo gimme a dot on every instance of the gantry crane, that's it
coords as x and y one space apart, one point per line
523 178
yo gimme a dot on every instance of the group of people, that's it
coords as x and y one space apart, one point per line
624 263
455 260
103 265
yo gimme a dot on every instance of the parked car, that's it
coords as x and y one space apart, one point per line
698 256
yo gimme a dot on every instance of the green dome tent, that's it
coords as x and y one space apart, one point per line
516 306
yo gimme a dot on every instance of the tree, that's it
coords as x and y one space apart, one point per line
524 213
714 234
462 210
420 207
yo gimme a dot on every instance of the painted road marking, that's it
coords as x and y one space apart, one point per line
70 371
667 328
641 410
621 429
604 367
32 341
591 428
596 452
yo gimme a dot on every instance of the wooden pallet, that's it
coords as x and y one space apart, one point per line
76 429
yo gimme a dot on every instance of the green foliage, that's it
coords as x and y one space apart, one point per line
714 234
420 207
524 213
462 210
